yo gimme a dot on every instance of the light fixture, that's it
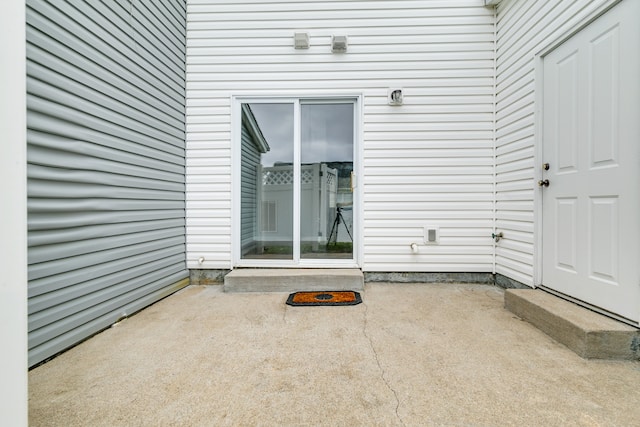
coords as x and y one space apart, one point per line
301 40
394 96
338 44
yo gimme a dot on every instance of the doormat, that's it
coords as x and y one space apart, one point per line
300 299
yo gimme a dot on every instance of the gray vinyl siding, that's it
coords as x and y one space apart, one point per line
106 163
523 28
250 162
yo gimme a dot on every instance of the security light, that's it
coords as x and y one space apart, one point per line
394 96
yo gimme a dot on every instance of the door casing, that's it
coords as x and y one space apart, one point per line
236 155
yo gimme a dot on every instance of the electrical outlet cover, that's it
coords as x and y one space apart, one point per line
431 235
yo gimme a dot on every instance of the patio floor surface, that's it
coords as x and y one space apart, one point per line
409 355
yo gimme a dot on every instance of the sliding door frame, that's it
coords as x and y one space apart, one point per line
236 177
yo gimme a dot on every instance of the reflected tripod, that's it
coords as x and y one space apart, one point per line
336 225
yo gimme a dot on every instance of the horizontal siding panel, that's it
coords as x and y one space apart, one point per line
445 55
439 42
409 171
71 77
353 15
204 6
214 238
98 123
48 221
66 250
522 226
516 177
408 231
427 162
73 185
408 117
209 225
254 21
72 304
213 229
228 85
523 134
60 265
110 270
444 254
44 300
436 202
58 26
513 146
61 206
514 215
85 323
427 135
106 164
470 190
431 216
102 161
373 145
511 187
450 245
447 265
55 132
434 111
52 236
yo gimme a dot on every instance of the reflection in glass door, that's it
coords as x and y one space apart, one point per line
326 196
266 200
296 183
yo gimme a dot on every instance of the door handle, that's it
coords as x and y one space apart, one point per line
544 183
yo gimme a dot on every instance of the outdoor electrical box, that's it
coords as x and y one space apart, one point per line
431 235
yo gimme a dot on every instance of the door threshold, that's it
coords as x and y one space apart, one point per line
294 279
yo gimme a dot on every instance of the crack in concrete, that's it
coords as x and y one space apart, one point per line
382 371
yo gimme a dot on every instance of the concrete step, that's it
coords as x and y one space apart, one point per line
293 280
589 334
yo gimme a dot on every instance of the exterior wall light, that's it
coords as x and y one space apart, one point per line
338 44
301 40
394 96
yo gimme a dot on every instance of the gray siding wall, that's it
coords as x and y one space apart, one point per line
250 162
106 163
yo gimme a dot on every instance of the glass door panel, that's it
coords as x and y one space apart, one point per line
326 193
267 181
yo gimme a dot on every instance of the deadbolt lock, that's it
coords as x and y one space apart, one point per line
545 166
543 183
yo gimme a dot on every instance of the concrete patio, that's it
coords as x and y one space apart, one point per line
410 355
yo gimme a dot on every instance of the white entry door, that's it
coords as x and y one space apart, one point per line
591 142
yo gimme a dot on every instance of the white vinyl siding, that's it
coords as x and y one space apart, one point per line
523 28
427 163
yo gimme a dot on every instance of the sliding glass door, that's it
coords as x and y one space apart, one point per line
297 182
